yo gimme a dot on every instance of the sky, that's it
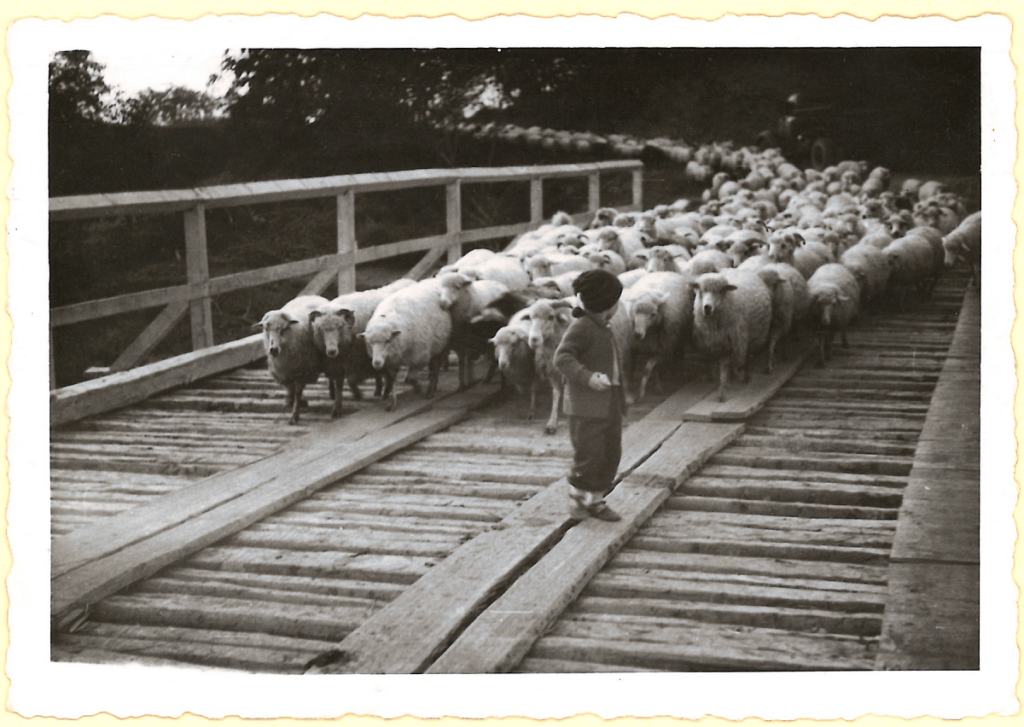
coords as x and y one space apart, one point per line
131 71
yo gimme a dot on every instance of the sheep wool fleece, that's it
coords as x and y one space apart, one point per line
595 417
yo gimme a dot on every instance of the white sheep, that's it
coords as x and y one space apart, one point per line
631 277
464 299
782 310
550 265
732 313
789 246
835 300
292 358
335 326
607 260
870 267
660 308
409 328
911 264
470 260
548 322
502 268
964 245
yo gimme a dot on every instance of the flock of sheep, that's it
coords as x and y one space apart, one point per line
770 249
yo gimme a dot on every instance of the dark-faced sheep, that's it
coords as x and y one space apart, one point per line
835 300
335 327
732 313
292 358
409 328
464 299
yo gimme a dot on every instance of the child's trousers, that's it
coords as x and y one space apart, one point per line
597 449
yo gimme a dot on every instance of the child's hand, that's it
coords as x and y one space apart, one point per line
599 382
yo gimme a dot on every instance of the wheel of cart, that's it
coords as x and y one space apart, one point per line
823 153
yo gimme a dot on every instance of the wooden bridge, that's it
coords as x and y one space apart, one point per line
820 518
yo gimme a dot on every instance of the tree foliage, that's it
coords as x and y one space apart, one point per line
77 89
176 105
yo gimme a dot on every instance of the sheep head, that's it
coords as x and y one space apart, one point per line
332 328
378 340
548 320
710 290
453 287
277 327
646 312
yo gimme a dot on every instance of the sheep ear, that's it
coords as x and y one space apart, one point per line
314 314
257 327
694 285
361 336
292 322
729 287
349 316
395 334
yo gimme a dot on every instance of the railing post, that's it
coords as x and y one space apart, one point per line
454 206
536 200
638 188
198 268
594 191
347 240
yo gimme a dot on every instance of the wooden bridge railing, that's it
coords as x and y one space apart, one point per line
193 298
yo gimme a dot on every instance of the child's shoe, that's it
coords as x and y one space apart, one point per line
601 511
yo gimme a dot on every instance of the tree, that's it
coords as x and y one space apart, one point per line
176 105
77 89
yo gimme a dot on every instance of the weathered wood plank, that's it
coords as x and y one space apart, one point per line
408 633
689 646
633 558
744 400
282 619
500 637
932 618
296 475
129 387
766 617
177 508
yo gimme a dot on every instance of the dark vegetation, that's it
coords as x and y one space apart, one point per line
312 113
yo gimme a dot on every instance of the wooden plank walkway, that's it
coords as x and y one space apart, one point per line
456 554
932 615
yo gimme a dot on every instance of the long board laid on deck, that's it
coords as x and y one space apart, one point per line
260 489
409 633
503 634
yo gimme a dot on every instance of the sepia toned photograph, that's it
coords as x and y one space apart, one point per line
627 363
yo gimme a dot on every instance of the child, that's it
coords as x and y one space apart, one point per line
590 362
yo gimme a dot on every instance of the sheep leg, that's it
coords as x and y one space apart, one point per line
433 370
390 390
723 377
331 390
296 392
463 363
842 335
378 383
339 386
357 394
771 353
821 350
411 380
556 401
648 369
534 385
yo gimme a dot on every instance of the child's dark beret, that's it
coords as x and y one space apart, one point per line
598 289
